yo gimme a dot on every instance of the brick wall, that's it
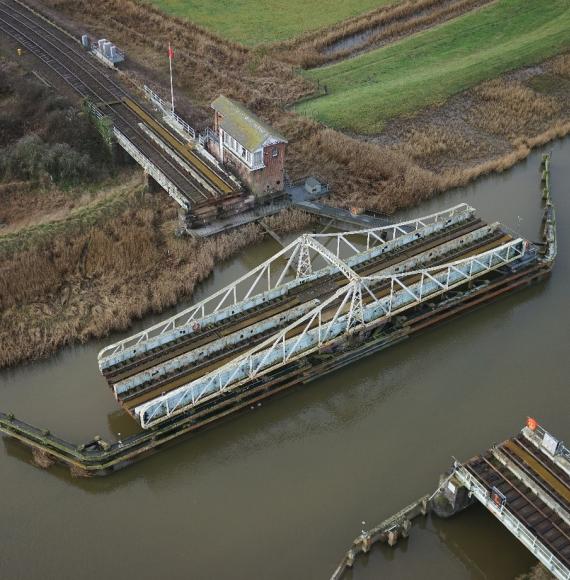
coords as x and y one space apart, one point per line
271 178
264 181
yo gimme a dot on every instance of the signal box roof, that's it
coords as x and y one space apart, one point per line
245 127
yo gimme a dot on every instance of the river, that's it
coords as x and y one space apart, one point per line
281 491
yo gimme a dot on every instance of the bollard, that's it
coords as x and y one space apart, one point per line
406 527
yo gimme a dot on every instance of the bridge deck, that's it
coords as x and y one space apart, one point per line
146 375
163 352
525 482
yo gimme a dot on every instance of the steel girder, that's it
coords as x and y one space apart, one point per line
271 280
343 312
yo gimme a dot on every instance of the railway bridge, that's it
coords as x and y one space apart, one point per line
174 160
321 299
324 301
525 483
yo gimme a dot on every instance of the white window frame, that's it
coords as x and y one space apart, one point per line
259 161
241 152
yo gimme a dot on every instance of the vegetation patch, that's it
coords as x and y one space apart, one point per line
43 137
364 92
262 21
376 28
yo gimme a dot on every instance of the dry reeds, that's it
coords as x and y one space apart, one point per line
102 274
72 287
205 63
561 65
509 108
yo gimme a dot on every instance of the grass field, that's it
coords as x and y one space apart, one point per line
366 91
261 21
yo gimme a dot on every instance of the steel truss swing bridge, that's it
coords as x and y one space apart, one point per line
318 292
322 302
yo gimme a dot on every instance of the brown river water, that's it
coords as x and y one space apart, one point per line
280 491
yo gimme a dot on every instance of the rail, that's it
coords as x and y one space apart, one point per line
79 70
511 522
266 281
143 161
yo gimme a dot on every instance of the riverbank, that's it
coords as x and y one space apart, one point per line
126 262
68 282
341 447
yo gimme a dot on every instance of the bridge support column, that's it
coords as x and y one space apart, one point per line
152 186
42 458
451 498
119 156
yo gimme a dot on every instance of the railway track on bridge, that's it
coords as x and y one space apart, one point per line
176 378
69 61
525 483
122 369
527 506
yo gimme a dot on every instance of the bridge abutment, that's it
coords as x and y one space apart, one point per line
451 498
151 185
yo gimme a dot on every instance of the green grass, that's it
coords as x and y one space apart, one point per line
262 21
366 91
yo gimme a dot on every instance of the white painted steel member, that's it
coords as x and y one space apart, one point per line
512 523
352 314
268 280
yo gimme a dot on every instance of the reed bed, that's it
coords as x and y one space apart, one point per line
74 281
81 284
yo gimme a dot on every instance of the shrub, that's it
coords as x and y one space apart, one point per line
31 158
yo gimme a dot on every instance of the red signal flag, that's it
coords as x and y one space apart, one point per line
170 53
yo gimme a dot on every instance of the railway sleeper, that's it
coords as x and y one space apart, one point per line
454 230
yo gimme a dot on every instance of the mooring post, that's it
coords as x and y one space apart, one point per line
393 536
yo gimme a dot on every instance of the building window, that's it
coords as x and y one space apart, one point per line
258 158
274 152
243 153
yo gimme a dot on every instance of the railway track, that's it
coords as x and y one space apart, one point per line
147 391
86 77
535 464
154 382
523 485
162 353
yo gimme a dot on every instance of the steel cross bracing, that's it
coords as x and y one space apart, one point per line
271 280
352 308
218 345
512 523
